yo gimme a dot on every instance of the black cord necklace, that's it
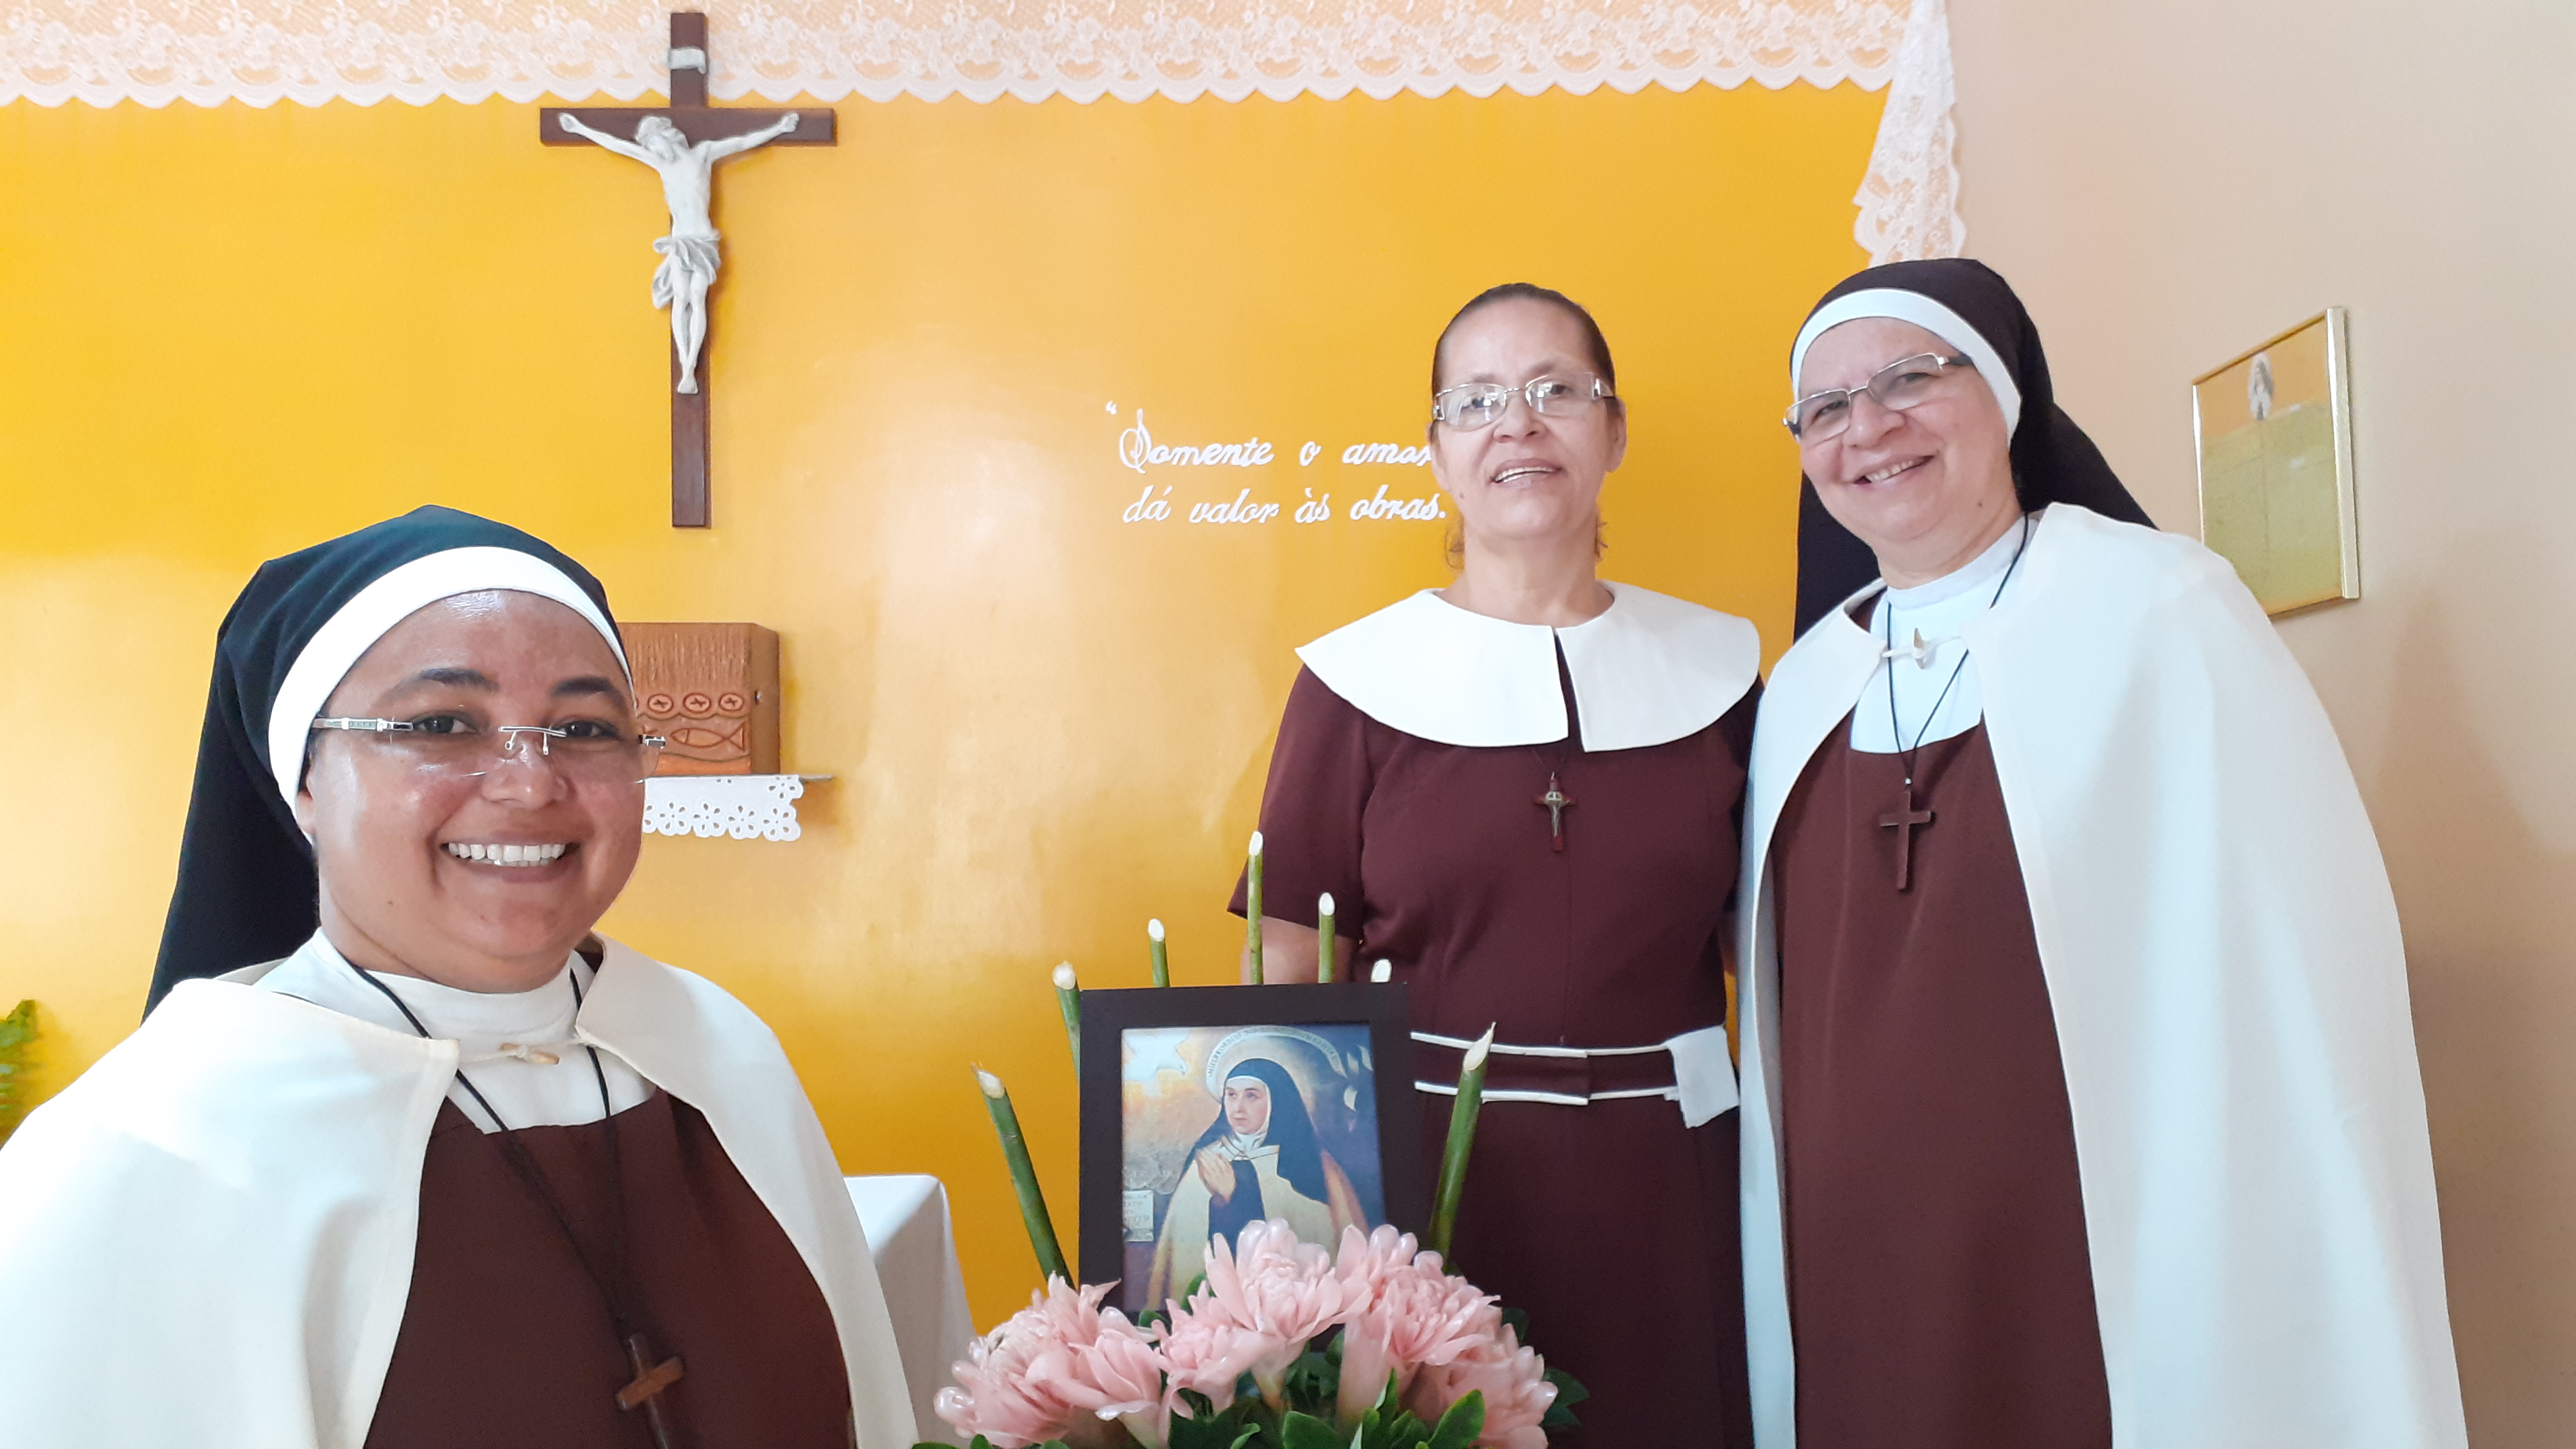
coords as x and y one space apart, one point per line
650 1378
1905 819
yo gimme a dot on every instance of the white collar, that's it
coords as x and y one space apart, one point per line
1649 670
318 973
1985 568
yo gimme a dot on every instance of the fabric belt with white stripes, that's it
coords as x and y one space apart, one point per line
1565 1076
1694 1070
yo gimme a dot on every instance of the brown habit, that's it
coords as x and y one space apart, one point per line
1612 1225
1939 1292
506 1342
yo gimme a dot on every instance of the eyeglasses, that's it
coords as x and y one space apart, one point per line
585 752
1901 384
1471 406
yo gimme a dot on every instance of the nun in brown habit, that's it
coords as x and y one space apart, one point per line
403 1154
1524 792
2080 1098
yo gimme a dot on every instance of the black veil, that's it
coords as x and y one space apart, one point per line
1292 1130
246 891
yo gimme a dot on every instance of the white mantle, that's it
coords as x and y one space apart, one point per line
739 807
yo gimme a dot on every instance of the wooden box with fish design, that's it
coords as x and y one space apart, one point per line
712 690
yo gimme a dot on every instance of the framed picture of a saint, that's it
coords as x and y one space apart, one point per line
2274 430
1206 1109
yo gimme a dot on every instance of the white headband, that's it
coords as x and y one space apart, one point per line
335 648
1925 313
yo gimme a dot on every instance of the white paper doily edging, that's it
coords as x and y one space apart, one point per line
742 807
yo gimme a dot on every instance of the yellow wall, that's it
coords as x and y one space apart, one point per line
233 332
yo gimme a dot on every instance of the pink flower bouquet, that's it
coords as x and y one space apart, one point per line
1282 1342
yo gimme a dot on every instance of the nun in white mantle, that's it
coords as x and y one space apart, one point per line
403 1155
2081 1107
1524 791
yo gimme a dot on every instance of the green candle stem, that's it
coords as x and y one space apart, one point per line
1324 938
1024 1177
1462 1140
1068 999
1162 955
1252 912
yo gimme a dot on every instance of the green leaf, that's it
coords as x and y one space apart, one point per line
1569 1392
1459 1427
1303 1431
1386 1428
1313 1380
1209 1429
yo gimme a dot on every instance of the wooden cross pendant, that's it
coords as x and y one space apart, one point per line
1555 800
686 163
1904 821
650 1380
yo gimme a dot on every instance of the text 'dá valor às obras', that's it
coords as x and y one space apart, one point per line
1154 505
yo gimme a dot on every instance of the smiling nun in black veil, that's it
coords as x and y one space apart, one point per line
403 1154
2080 1095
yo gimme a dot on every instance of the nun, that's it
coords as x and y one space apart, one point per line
1258 1160
2080 1096
403 1154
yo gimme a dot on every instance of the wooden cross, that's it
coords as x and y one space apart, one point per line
698 123
1905 821
647 1388
1555 800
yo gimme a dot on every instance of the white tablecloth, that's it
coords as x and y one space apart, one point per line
907 1221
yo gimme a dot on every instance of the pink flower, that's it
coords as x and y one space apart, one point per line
1206 1351
1404 1314
1365 1263
1061 1368
1512 1379
1277 1292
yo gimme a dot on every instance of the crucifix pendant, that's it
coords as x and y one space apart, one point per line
1555 800
650 1380
1905 820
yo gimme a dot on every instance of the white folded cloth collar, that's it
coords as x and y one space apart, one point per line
521 1049
1648 670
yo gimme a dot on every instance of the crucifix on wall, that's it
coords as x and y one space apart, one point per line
682 142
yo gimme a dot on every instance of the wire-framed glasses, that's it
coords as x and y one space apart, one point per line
1901 384
587 752
1474 405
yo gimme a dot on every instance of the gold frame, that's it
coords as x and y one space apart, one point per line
2338 363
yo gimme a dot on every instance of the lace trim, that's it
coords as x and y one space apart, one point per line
265 51
743 807
1909 197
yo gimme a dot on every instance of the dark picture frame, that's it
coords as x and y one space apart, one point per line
1367 1011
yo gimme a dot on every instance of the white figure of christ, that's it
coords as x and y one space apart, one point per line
689 259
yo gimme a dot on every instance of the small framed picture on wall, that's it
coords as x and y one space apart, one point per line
2274 431
1208 1108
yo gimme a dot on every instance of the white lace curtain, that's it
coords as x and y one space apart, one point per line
311 51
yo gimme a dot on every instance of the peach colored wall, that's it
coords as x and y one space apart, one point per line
2169 184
